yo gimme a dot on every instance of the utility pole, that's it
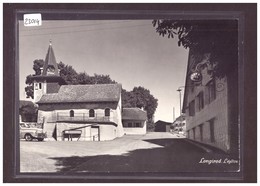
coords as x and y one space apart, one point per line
179 90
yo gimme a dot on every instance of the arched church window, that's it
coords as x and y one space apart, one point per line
91 113
107 112
72 113
36 86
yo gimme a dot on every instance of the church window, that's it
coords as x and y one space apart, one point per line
107 112
50 70
91 113
72 113
36 86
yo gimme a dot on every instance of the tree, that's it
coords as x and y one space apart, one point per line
29 91
216 37
28 111
128 99
102 79
37 65
68 73
84 79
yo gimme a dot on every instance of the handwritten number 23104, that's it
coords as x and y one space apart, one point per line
28 21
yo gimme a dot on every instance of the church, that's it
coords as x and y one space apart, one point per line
82 112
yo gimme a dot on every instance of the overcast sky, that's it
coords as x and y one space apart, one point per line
130 51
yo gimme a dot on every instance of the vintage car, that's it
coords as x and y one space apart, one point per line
29 133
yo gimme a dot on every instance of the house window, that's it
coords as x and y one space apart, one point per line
192 86
107 112
211 128
128 125
124 124
72 113
192 108
132 125
211 90
194 133
91 113
40 86
200 101
201 132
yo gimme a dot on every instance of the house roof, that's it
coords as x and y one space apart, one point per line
50 60
180 118
134 114
84 93
160 122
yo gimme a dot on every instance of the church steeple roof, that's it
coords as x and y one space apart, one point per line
50 67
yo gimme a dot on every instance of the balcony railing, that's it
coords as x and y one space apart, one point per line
83 117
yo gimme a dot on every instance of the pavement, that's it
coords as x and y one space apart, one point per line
153 152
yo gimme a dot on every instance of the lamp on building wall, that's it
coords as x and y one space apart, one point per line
196 75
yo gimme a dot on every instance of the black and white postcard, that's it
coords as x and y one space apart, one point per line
132 94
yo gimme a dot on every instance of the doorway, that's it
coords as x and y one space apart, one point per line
95 133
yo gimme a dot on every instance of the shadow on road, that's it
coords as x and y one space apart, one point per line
174 155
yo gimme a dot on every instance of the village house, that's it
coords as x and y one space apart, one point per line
134 121
210 106
179 125
82 112
162 126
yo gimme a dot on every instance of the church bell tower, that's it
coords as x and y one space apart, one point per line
49 81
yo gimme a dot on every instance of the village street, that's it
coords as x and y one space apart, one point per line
153 152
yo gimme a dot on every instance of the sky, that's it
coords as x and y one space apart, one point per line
129 51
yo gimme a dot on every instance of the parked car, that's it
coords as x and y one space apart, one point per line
29 133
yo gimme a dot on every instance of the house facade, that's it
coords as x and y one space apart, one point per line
81 112
210 107
162 126
134 121
179 125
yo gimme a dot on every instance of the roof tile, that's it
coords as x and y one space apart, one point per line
134 114
84 93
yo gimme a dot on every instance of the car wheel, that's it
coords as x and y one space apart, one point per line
28 137
40 139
